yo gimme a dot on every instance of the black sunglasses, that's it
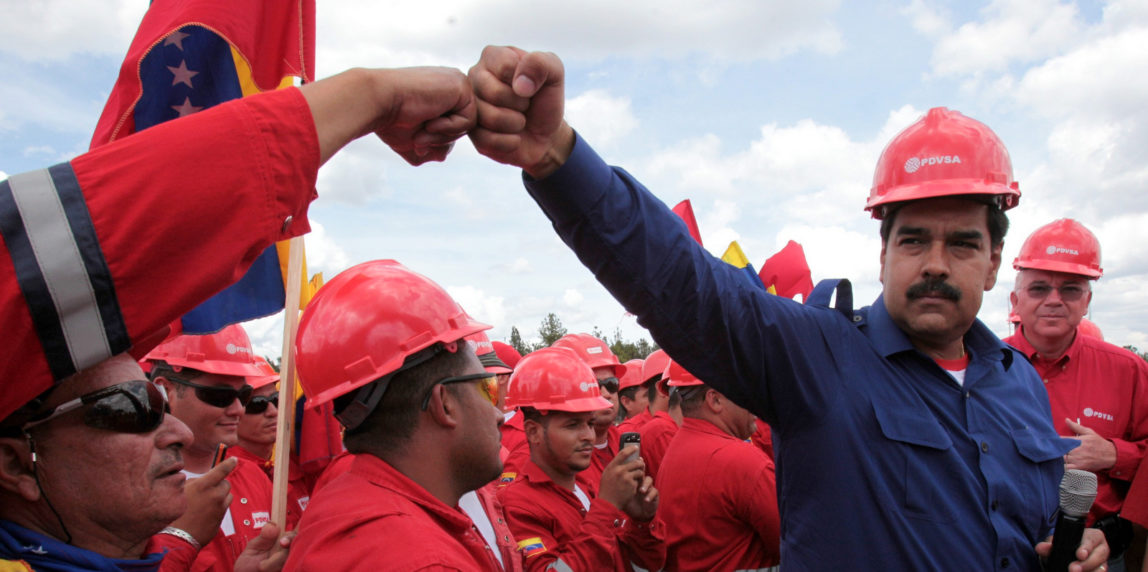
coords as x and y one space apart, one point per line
609 384
128 407
259 403
218 395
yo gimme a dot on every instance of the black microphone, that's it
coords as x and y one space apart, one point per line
1077 491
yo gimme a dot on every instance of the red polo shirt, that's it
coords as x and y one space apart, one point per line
1106 388
297 495
375 518
636 422
718 502
553 528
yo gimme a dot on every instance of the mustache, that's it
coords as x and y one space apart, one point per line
933 287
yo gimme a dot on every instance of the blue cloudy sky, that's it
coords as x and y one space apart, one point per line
769 115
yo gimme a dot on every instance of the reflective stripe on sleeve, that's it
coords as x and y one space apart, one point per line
61 269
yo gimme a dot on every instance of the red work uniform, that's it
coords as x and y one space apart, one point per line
490 513
250 509
339 465
1106 388
635 423
297 493
656 437
375 518
1135 506
554 528
763 438
602 456
718 500
518 450
214 189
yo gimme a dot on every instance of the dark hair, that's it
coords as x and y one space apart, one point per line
651 386
997 221
163 369
692 397
392 423
629 392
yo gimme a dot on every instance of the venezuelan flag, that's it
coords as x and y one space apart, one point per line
189 55
531 547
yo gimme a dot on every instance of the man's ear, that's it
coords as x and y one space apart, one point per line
534 431
16 476
444 407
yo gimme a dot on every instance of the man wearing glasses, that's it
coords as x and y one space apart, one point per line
206 381
256 433
386 346
1096 389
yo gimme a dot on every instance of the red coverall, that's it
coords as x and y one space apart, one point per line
375 518
552 526
184 180
656 437
250 510
718 502
635 423
297 494
1106 388
514 440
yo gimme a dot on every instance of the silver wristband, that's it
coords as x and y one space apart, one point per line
180 533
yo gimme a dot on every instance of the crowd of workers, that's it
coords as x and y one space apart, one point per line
765 433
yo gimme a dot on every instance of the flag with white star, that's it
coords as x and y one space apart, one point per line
189 55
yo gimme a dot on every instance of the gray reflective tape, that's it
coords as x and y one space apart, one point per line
54 246
560 566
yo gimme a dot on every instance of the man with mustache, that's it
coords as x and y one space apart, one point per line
89 460
909 437
1097 390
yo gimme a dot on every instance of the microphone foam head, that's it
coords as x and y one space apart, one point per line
1077 491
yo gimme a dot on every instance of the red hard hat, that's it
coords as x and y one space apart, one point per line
943 154
267 377
1061 246
593 351
554 379
365 322
1090 329
655 364
226 352
633 375
506 353
482 347
677 376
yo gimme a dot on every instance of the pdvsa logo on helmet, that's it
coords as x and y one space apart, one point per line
584 386
234 349
593 350
915 163
1052 249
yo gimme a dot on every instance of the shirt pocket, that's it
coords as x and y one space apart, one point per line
924 469
1047 452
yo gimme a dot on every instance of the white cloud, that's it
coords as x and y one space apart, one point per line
1012 31
927 18
47 30
601 118
572 298
3 175
519 266
323 254
481 306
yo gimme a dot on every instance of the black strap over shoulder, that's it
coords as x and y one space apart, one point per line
823 293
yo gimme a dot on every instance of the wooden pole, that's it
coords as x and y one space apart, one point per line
286 426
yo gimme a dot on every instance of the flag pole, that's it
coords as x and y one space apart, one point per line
286 423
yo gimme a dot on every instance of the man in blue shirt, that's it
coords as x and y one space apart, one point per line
908 436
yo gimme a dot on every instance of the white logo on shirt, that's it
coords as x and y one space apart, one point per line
1090 412
260 518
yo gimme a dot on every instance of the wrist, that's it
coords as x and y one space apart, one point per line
561 145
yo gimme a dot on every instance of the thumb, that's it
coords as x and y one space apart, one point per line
266 539
219 472
1078 428
537 70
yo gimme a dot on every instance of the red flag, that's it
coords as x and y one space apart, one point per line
788 272
686 211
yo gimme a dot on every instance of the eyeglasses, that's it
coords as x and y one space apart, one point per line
1068 292
218 395
128 407
609 384
487 386
259 403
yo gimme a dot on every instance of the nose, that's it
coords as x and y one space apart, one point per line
272 410
173 431
235 408
1053 298
936 260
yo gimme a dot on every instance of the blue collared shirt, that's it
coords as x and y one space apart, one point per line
884 461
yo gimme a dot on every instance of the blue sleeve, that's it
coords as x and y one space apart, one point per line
762 351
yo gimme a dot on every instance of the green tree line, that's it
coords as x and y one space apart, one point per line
551 329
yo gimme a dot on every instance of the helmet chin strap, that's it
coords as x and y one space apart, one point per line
367 398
